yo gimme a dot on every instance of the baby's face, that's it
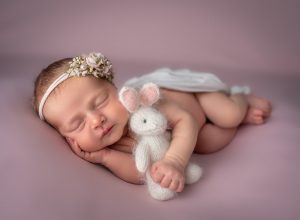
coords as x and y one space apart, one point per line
88 111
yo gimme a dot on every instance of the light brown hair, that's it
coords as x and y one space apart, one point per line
46 77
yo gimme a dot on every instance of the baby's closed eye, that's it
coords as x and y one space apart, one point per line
78 124
100 102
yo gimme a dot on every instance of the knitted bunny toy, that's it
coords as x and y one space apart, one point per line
150 127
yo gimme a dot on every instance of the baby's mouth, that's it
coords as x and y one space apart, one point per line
107 130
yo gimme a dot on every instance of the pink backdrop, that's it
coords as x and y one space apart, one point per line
233 34
254 42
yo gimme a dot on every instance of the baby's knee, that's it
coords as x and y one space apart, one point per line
232 117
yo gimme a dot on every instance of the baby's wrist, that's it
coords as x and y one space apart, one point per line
105 156
175 161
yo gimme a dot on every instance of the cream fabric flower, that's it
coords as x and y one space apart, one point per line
94 59
94 64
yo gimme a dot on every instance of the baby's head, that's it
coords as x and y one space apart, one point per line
78 98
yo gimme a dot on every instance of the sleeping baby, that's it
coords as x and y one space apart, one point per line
77 96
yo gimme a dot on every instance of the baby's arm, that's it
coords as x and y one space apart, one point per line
169 172
122 165
119 163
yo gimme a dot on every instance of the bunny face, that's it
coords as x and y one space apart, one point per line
144 120
148 121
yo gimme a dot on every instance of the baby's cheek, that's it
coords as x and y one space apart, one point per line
86 142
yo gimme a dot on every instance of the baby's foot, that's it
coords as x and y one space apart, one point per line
259 110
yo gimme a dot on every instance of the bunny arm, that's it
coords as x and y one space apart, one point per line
142 156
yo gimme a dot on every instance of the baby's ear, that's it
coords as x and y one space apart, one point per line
149 94
129 97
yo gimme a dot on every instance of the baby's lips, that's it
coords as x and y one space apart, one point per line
106 130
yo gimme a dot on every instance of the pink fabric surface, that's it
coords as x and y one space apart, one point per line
243 42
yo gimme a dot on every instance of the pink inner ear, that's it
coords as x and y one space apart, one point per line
149 94
129 98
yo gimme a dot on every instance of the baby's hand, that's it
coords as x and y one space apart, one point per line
168 174
93 157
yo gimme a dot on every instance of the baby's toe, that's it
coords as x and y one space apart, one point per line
258 120
257 116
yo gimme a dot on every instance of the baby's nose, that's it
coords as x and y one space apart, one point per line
97 119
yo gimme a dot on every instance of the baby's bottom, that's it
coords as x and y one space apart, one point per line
213 138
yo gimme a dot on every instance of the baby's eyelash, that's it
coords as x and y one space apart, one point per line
77 125
81 125
99 104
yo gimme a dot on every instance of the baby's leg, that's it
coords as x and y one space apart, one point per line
213 138
223 110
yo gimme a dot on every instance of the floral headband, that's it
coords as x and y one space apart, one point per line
94 64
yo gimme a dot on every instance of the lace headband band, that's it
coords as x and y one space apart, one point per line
94 64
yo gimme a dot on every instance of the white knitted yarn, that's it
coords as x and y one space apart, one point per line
150 126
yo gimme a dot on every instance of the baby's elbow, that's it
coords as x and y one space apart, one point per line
136 178
191 121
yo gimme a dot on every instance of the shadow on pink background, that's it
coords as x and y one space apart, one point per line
244 42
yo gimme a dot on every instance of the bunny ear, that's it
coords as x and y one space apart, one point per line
149 94
129 97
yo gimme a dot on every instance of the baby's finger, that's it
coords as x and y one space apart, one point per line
180 186
154 168
75 147
165 182
157 177
86 155
174 185
77 150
